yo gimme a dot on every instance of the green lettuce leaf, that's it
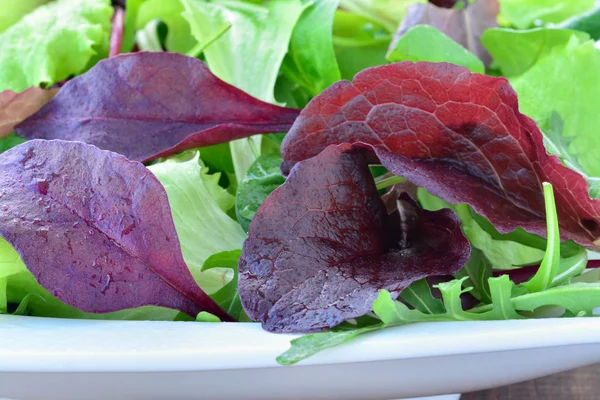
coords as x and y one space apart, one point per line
588 22
14 10
425 43
358 43
179 37
567 82
523 13
54 41
199 206
516 51
249 55
387 13
310 61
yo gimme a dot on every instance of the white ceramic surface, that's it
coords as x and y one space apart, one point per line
73 359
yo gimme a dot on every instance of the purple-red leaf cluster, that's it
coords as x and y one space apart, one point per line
459 135
148 105
322 245
95 229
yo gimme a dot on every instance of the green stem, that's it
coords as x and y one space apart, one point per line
388 182
200 47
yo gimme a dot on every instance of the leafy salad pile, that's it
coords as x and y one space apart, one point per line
328 167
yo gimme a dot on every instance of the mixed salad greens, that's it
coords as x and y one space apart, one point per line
328 167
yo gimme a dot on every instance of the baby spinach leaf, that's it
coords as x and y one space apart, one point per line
310 60
588 22
15 107
426 43
95 229
52 42
262 178
515 51
149 105
199 207
457 134
322 245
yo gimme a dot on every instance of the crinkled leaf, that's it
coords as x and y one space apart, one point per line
199 207
13 11
179 36
588 22
426 43
147 105
262 178
572 93
310 60
52 42
457 134
515 51
321 246
524 13
248 55
95 229
15 107
226 297
465 26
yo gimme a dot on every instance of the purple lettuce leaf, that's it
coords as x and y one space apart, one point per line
95 229
149 105
322 245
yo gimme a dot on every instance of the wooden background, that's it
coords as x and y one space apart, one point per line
579 384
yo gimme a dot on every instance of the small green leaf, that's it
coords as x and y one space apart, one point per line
308 345
578 298
54 41
425 43
262 178
477 271
227 297
550 263
204 316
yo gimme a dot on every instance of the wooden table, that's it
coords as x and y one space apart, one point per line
578 384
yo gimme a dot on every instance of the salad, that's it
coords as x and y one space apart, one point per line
326 167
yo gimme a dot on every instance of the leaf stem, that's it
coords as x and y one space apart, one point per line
201 46
388 182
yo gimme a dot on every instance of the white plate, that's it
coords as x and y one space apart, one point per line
74 359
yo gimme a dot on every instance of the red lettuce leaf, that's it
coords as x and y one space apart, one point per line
95 229
15 107
322 245
458 134
148 105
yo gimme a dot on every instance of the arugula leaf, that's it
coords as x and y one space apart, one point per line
523 13
572 92
310 60
248 55
199 207
53 42
262 178
179 36
227 297
477 271
13 11
550 263
515 51
588 22
426 43
418 294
